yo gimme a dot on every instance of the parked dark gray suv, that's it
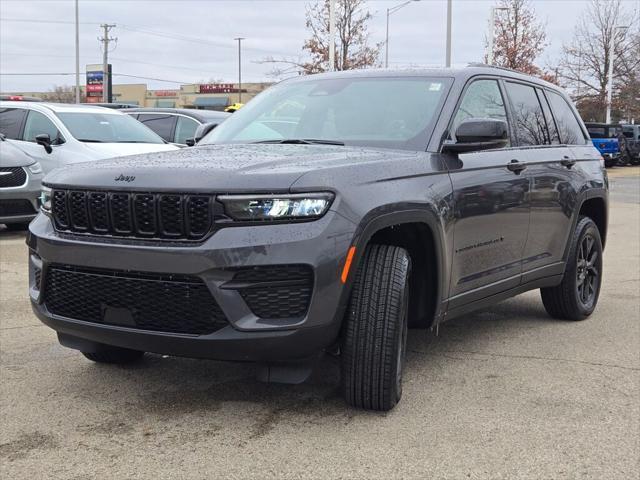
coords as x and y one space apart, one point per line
332 212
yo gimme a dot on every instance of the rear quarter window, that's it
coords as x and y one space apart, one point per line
11 120
568 126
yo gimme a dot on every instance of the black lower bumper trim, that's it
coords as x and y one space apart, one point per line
225 344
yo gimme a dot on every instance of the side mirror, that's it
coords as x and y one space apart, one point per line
201 131
479 134
204 130
45 140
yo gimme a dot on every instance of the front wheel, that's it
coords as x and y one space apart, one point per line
375 334
576 297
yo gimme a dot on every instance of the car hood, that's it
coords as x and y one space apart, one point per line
110 150
13 156
238 168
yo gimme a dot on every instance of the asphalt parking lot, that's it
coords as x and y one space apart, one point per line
506 392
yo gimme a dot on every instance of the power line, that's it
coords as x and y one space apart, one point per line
157 33
28 20
119 59
55 74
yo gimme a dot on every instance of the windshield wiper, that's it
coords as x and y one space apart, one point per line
303 141
89 140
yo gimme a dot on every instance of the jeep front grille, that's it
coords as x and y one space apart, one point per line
146 301
143 215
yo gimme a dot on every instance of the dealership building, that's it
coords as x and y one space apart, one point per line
211 96
208 96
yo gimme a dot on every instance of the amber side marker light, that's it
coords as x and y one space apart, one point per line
347 264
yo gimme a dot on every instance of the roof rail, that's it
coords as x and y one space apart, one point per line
480 64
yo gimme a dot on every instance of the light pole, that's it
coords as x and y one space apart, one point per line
77 56
239 40
386 42
610 72
449 15
332 35
492 32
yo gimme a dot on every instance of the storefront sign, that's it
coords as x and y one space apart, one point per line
164 93
218 88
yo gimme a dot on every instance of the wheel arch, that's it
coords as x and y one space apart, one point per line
595 208
420 232
591 203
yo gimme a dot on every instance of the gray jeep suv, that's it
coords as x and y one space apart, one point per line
331 213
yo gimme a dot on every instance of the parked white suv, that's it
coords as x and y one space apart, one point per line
59 134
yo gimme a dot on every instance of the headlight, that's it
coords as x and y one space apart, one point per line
35 168
45 199
276 207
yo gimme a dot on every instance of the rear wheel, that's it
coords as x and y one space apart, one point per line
375 334
108 354
576 297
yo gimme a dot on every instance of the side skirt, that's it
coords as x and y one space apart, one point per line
549 281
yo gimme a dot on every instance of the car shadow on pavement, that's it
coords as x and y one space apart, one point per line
6 234
163 387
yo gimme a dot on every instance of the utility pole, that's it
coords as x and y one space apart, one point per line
77 55
492 33
449 14
332 35
105 39
239 40
612 53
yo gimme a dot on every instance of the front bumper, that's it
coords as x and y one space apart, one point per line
12 199
322 245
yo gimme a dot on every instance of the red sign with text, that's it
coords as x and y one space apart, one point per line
218 88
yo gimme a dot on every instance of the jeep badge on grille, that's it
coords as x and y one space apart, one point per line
124 178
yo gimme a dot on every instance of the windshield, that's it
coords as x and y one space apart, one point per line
97 127
374 112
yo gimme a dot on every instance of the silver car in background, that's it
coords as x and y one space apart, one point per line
20 178
58 134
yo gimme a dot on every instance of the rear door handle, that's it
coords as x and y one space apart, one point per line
568 162
516 166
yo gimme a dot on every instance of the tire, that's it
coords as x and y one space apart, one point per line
114 355
577 296
375 331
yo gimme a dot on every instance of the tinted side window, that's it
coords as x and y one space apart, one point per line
529 119
36 124
185 128
11 122
162 124
554 136
481 100
568 126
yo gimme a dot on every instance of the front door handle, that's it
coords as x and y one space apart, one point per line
516 166
568 162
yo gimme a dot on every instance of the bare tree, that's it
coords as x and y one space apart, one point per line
353 49
520 38
583 67
61 94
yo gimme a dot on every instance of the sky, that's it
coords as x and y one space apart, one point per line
186 41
